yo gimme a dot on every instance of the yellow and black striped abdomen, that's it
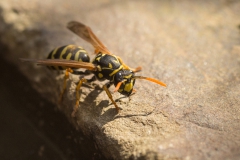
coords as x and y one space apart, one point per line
69 52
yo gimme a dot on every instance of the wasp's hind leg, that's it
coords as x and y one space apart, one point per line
105 87
69 70
129 68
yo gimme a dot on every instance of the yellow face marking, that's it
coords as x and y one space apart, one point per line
100 75
110 65
64 51
128 87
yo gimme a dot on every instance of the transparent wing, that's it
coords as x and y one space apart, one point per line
62 62
86 33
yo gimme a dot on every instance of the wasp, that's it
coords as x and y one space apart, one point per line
105 66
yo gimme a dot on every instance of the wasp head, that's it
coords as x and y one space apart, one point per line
124 82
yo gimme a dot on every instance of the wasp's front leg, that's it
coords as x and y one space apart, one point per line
105 87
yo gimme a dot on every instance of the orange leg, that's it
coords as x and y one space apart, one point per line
69 70
110 97
83 80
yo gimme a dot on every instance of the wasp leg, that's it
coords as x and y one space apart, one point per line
81 81
129 68
105 87
69 70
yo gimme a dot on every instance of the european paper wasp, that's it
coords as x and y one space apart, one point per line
105 66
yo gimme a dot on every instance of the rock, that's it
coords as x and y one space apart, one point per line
192 46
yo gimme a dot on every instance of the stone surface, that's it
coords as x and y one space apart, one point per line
192 46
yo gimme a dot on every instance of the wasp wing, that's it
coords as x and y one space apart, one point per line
86 33
63 63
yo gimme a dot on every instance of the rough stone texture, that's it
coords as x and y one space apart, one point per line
192 46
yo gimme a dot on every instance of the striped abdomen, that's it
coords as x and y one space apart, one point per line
69 52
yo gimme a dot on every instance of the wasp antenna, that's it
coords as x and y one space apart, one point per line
152 80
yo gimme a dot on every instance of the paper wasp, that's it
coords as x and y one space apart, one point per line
105 65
